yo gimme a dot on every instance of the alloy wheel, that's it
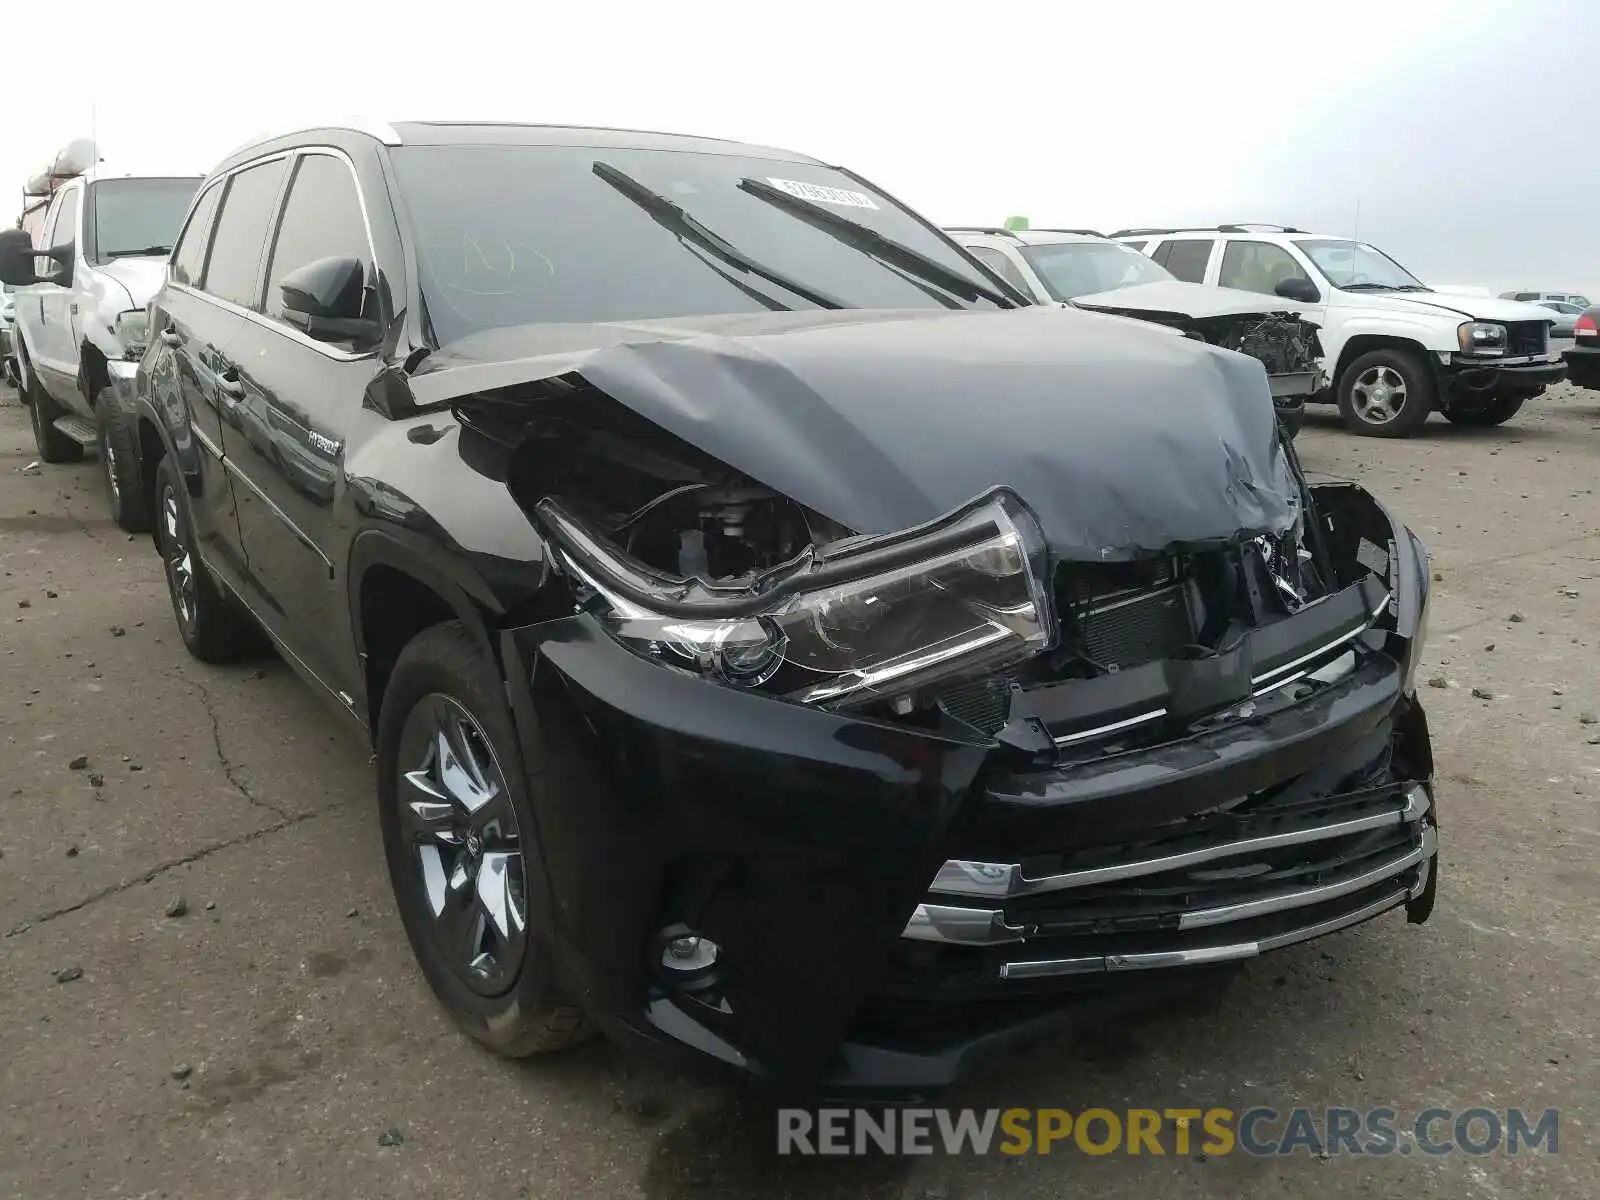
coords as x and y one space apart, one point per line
108 463
1378 395
461 835
180 563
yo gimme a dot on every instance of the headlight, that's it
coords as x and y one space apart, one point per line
1419 634
133 331
865 617
1482 337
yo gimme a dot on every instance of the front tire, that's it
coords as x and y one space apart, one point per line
214 628
119 467
1386 393
1496 411
458 834
53 445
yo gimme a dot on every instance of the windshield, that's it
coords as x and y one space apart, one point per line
522 235
139 215
1358 266
1071 269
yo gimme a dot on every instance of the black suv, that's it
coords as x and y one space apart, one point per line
778 641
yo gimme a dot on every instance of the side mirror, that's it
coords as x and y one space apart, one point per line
1297 288
17 259
327 300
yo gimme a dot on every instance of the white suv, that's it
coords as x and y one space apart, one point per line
1395 348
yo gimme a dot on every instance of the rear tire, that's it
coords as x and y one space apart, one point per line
1497 411
119 467
214 628
1386 393
488 963
54 446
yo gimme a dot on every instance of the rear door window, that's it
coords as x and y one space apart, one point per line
1187 258
233 271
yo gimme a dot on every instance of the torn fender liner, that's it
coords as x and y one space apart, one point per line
1125 441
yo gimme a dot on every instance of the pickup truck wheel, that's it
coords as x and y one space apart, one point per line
458 834
1497 410
54 446
119 467
1386 393
214 628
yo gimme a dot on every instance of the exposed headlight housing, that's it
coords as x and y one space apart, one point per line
862 618
1421 588
1482 337
133 331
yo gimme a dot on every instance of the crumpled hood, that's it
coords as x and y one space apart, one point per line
1188 300
141 278
1124 440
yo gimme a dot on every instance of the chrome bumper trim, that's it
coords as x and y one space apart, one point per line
1265 682
1205 918
961 926
1001 881
1200 956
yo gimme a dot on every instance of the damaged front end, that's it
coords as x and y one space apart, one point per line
1286 345
847 810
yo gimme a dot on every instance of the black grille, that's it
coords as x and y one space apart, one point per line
1140 630
982 704
1527 337
1123 614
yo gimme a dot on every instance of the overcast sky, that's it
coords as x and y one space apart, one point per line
1459 128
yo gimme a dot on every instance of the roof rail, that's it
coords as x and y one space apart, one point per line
994 229
1054 229
1233 227
381 130
1256 226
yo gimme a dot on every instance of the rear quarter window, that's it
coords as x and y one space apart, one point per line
189 256
1187 258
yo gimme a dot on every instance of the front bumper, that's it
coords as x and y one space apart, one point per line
1583 366
1525 376
1294 386
893 905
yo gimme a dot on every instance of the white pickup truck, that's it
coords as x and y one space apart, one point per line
1395 348
80 276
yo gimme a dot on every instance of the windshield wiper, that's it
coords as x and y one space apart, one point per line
870 241
146 252
672 217
1365 287
1411 287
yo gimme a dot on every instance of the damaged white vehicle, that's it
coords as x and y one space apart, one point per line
1081 269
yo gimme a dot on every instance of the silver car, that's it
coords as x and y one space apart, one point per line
1566 316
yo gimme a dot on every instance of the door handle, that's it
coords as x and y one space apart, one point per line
170 337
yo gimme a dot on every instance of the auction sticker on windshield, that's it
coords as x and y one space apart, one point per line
822 194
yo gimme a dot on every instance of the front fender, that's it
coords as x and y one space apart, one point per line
473 603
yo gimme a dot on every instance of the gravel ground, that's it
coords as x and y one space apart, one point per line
266 1041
